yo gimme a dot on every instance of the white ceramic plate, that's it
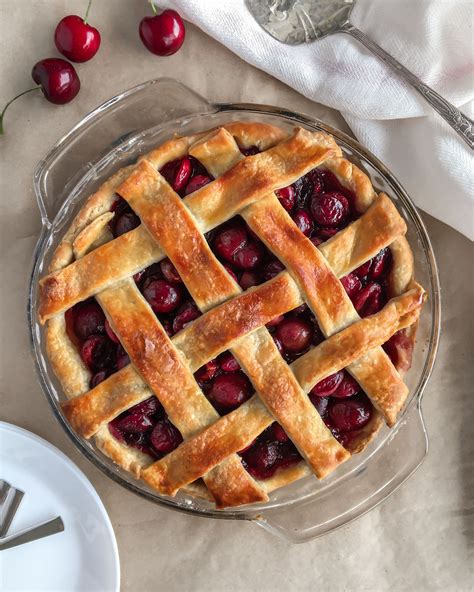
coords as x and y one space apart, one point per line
85 556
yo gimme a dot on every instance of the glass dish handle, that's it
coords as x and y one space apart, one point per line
111 128
390 467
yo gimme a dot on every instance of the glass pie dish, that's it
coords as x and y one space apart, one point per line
113 136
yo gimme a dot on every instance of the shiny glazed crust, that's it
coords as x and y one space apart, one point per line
88 262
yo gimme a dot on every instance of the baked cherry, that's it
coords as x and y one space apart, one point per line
58 80
228 391
261 458
352 285
110 333
122 359
227 362
321 404
249 256
250 151
286 196
303 220
380 263
229 241
350 415
369 300
150 406
89 320
196 183
347 387
272 269
329 209
279 433
328 385
99 377
186 313
162 296
400 350
76 39
169 272
295 334
165 437
96 352
249 279
125 223
162 34
134 423
206 372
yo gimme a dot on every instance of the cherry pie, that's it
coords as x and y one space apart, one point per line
233 312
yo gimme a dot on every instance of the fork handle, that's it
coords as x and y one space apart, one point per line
451 114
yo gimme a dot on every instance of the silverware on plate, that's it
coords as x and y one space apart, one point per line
302 21
32 534
10 499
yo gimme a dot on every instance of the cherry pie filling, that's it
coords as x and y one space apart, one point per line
320 206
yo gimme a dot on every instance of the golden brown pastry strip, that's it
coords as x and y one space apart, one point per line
238 429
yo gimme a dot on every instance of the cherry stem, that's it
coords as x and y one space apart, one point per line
153 7
87 12
2 114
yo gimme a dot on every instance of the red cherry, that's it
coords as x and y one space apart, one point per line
169 272
196 183
206 372
328 385
227 362
295 334
162 34
249 256
329 209
350 415
134 423
162 296
303 220
58 80
286 196
228 242
186 313
89 320
75 39
352 285
110 332
228 391
321 404
347 387
279 433
249 279
96 352
125 223
272 269
147 407
165 437
369 300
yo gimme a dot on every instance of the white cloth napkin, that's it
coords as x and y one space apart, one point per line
432 38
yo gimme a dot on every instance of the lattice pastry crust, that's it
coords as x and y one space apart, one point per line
90 262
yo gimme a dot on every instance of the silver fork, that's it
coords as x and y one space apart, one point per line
10 499
302 21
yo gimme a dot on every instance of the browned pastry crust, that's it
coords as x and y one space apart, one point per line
89 263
